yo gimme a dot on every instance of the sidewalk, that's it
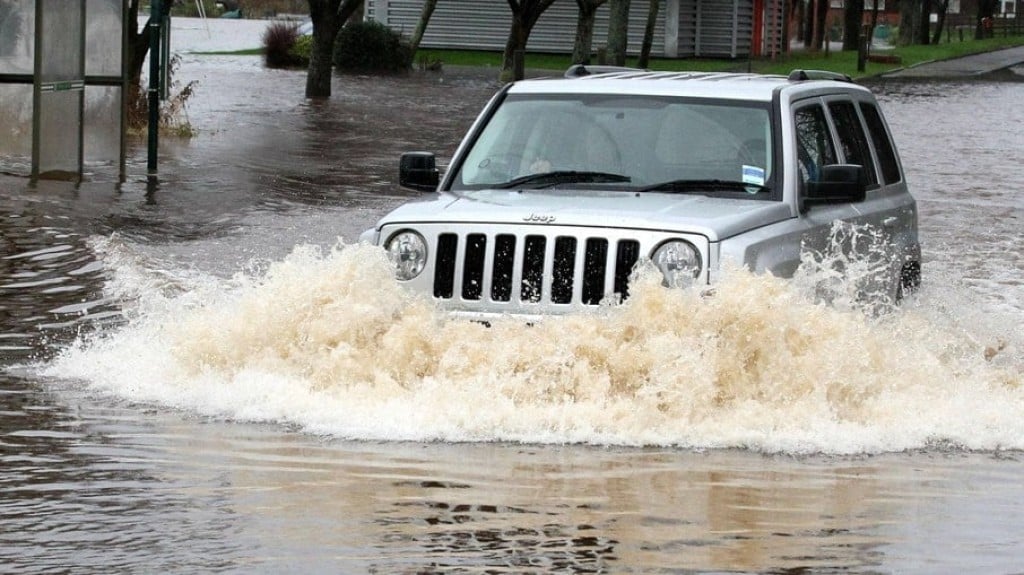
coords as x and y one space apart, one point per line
965 66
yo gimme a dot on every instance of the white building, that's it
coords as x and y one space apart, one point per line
685 28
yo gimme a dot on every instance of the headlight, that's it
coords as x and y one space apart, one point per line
678 261
408 251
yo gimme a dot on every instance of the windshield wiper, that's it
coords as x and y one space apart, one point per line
545 179
703 186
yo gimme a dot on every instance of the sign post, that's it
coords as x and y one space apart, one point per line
159 44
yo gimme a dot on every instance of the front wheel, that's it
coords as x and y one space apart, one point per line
910 280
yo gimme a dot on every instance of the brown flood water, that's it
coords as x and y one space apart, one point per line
184 391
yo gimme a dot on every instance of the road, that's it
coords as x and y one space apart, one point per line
966 66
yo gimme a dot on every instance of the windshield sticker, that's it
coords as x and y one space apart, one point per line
753 175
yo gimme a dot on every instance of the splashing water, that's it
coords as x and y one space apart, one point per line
328 341
857 269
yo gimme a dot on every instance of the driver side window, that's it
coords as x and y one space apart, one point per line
813 142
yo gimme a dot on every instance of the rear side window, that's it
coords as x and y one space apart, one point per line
814 142
852 137
883 147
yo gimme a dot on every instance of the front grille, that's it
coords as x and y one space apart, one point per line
532 269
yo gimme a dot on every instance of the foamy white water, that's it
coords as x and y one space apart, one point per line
327 341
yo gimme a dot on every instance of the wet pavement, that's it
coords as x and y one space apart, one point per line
965 67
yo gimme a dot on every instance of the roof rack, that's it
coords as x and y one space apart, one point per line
581 70
803 75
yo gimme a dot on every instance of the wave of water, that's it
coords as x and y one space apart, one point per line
329 342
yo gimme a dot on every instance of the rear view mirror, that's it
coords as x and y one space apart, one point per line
418 171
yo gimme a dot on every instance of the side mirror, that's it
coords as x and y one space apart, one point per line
838 184
418 171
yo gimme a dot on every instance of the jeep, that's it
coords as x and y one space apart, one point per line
562 186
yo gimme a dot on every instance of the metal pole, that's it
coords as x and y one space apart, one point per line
122 163
155 20
862 47
83 15
37 80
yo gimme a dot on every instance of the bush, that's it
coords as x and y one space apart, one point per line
371 47
278 42
302 49
173 117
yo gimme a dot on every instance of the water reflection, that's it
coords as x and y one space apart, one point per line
82 488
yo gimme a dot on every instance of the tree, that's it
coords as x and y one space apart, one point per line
819 15
852 19
328 17
524 15
815 13
924 33
645 47
805 18
618 26
910 15
942 11
581 48
138 47
986 11
421 26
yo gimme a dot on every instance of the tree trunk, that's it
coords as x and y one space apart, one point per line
136 99
328 17
924 35
820 21
874 22
618 26
986 9
787 13
524 15
909 13
584 42
138 46
853 16
645 48
516 43
807 23
942 10
421 26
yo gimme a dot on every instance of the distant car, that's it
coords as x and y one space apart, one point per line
306 28
229 9
562 186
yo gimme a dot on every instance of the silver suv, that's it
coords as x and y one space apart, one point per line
563 185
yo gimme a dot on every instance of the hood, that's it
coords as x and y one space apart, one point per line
714 218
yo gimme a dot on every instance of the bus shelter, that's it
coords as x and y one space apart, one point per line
62 87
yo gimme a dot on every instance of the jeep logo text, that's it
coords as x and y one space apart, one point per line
541 219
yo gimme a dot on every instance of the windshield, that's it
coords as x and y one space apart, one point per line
620 142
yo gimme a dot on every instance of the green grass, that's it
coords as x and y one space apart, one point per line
842 62
246 52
